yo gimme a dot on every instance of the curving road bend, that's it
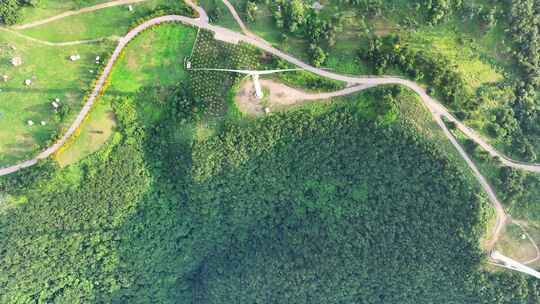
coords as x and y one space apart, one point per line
438 111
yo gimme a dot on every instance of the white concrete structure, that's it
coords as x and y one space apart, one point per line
255 76
258 89
508 263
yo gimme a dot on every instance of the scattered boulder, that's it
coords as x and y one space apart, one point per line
28 82
130 8
317 6
55 104
75 57
30 123
16 61
43 123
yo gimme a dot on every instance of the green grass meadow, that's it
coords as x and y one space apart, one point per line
154 59
53 75
113 21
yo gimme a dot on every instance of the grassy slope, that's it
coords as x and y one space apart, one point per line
54 76
49 8
225 19
154 58
102 23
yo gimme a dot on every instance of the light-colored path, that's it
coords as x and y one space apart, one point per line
438 111
48 43
236 17
77 12
240 23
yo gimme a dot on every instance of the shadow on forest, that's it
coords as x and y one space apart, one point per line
235 234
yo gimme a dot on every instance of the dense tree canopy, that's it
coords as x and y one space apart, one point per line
314 206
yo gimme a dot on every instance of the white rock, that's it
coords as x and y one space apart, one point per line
28 82
16 61
98 58
55 105
5 78
30 123
43 123
130 8
57 99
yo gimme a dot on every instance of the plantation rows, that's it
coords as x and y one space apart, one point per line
211 86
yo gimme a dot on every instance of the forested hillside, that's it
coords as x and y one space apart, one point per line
328 205
482 58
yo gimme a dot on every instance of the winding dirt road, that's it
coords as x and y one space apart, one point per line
438 111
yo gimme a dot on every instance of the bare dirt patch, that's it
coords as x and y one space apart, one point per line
515 244
280 97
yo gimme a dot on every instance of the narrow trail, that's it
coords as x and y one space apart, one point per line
57 44
240 23
76 12
437 110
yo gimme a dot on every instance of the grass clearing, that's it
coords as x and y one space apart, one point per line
154 59
53 76
95 132
465 57
515 244
113 21
49 8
